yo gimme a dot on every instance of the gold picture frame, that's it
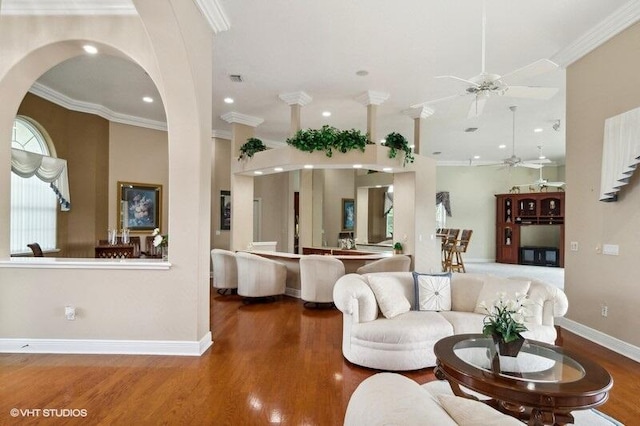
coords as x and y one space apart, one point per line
139 206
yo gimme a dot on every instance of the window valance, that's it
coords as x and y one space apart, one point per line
620 153
48 169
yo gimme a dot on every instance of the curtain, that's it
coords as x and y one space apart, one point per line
443 197
48 169
388 202
620 153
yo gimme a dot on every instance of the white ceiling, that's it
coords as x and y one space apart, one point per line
280 46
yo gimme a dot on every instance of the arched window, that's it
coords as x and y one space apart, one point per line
33 203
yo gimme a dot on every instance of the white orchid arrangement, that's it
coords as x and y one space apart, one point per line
158 239
506 317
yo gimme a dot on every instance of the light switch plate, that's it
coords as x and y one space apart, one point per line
610 249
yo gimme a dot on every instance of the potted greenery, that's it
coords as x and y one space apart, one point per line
397 248
504 323
396 142
250 147
328 139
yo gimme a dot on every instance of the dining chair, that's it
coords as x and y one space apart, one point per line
114 251
457 263
36 249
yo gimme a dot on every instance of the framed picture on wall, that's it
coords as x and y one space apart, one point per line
139 206
348 214
225 210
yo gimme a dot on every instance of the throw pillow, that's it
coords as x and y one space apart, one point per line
468 412
389 295
493 286
432 292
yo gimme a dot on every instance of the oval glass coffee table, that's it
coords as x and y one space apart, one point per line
543 384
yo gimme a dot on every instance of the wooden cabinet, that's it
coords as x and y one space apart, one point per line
516 210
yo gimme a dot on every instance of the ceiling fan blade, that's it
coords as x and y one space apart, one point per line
538 161
433 101
529 165
477 106
555 184
538 67
530 92
469 82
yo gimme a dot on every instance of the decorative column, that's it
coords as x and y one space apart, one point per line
418 114
242 128
371 100
301 181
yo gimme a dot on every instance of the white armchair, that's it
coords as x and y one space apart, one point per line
395 263
225 270
318 275
259 276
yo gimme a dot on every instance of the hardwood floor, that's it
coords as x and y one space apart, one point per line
270 363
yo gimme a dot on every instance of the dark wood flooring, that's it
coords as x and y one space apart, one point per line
270 363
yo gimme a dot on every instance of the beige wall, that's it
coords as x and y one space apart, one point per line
172 42
136 155
602 84
82 140
473 206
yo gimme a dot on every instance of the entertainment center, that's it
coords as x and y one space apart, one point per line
516 213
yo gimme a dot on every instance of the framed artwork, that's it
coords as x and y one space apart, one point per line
225 210
139 206
348 214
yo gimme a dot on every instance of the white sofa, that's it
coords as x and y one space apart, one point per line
405 340
392 399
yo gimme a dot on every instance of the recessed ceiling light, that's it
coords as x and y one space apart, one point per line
257 172
412 146
308 166
542 157
538 129
278 169
90 49
357 166
387 169
362 73
326 114
503 146
476 157
378 186
383 140
147 99
228 100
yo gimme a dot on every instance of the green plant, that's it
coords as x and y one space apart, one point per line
250 147
397 246
396 142
328 139
505 318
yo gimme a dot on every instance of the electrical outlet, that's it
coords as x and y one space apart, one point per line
604 311
70 313
574 246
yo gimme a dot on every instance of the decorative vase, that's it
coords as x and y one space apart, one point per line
508 348
165 253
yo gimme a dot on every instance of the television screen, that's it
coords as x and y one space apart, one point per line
528 255
551 256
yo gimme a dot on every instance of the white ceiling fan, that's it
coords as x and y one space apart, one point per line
485 85
515 161
542 183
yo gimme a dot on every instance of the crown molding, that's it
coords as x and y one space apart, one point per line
214 14
420 112
236 117
58 98
618 21
371 97
68 7
221 134
296 98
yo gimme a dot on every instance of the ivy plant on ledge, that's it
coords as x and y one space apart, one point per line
250 147
396 142
328 139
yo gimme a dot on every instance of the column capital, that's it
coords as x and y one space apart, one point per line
296 98
419 112
371 97
236 117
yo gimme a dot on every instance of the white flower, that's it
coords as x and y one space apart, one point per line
157 240
155 232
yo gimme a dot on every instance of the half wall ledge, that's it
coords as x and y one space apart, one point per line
70 263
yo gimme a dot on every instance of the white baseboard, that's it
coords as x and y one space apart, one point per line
293 292
120 347
609 342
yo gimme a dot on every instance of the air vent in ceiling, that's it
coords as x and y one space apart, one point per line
470 129
236 78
